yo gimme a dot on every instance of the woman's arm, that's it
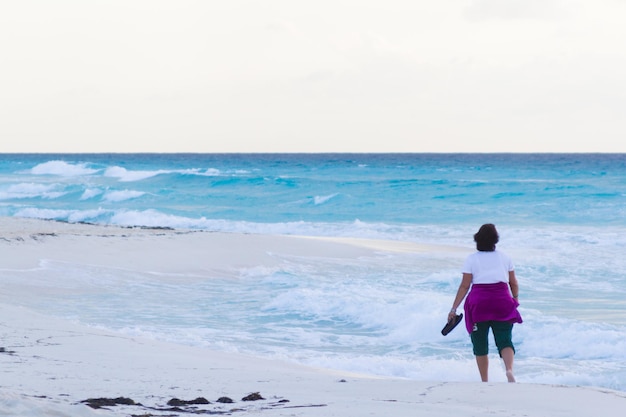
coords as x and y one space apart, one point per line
513 284
466 282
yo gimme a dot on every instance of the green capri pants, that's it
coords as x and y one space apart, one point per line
502 332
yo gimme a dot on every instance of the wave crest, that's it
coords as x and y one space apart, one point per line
317 200
125 175
31 190
122 195
63 169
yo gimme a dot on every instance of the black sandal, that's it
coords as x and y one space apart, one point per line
452 324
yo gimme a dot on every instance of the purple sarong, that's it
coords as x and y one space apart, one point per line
487 302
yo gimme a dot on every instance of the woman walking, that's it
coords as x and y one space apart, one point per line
489 277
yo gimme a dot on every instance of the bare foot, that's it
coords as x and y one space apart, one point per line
509 376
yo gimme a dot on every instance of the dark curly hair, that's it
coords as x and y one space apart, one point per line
486 238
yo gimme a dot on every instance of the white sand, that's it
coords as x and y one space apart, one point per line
49 365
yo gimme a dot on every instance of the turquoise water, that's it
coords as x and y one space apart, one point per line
561 218
196 190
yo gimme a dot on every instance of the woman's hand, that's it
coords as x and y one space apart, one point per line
451 316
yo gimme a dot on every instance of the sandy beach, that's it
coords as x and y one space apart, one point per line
51 366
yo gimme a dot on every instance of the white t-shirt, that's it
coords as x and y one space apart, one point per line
488 267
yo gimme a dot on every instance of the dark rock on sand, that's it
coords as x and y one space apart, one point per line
108 402
175 402
225 400
255 396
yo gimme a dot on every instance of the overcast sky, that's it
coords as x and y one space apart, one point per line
313 76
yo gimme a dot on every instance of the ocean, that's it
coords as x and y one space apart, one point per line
561 217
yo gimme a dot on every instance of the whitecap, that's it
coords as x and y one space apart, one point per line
62 168
91 216
31 190
212 172
90 193
125 175
122 195
153 218
317 200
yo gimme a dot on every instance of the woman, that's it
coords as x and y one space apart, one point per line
490 304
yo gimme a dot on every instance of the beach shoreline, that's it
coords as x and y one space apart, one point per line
51 365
